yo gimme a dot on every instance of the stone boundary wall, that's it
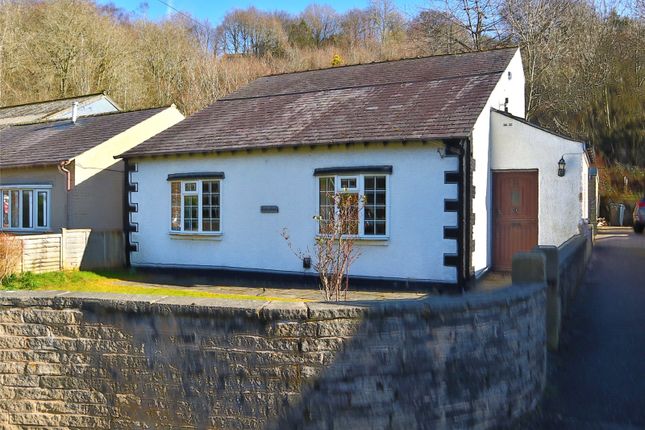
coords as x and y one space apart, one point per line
566 266
123 362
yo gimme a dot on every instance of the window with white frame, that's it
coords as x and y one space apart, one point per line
25 208
371 221
195 206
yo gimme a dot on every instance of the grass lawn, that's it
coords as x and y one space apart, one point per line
112 282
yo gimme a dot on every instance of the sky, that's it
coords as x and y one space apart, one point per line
215 10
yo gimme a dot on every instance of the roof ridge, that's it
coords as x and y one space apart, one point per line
421 57
224 99
104 93
87 116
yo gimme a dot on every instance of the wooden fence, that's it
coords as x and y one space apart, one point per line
72 249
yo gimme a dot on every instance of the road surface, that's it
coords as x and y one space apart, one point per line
597 378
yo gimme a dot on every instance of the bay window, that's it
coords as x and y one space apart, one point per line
362 196
25 208
195 206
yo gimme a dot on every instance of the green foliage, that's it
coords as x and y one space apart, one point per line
612 183
118 282
21 281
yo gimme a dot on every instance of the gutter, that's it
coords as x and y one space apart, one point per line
404 140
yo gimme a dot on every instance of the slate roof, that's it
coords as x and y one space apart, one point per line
47 143
421 98
39 111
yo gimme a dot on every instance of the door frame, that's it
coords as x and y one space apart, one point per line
493 215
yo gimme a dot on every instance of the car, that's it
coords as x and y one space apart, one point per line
639 216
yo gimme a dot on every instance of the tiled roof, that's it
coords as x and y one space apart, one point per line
38 111
47 143
422 98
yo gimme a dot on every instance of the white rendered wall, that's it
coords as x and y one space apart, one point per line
252 240
513 89
562 203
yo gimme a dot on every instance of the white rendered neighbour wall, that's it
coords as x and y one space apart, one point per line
511 87
562 203
252 240
96 200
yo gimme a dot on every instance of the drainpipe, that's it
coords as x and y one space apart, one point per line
463 149
126 211
62 168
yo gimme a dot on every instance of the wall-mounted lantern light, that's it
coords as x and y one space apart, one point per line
561 166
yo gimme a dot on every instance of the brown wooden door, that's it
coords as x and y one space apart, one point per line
515 215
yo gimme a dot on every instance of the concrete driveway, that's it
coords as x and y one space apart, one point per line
597 379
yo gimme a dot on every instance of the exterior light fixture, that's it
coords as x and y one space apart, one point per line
561 166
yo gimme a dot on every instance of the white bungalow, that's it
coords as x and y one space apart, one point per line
455 179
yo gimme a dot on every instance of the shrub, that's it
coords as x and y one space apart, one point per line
334 245
10 255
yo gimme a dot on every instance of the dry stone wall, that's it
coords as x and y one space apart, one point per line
114 362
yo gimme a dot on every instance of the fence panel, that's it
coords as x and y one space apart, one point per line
71 250
41 253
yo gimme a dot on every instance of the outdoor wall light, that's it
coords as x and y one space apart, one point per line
561 166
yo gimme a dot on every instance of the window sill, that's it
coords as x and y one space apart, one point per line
370 241
25 231
195 236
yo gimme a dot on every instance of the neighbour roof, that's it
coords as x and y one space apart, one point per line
47 143
38 111
421 98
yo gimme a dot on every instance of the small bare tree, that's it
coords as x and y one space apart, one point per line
10 254
334 245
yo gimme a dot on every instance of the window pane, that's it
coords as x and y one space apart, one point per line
5 209
374 218
42 209
26 209
191 214
379 197
348 183
190 186
348 213
15 206
175 206
210 206
325 204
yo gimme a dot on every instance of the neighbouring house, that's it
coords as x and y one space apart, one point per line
455 180
62 173
50 110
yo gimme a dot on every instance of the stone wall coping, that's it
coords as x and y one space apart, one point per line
267 310
571 246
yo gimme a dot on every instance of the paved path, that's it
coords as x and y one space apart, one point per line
597 379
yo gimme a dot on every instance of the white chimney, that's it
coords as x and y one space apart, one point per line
74 112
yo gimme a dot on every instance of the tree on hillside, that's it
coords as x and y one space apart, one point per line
436 32
322 22
388 22
477 18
